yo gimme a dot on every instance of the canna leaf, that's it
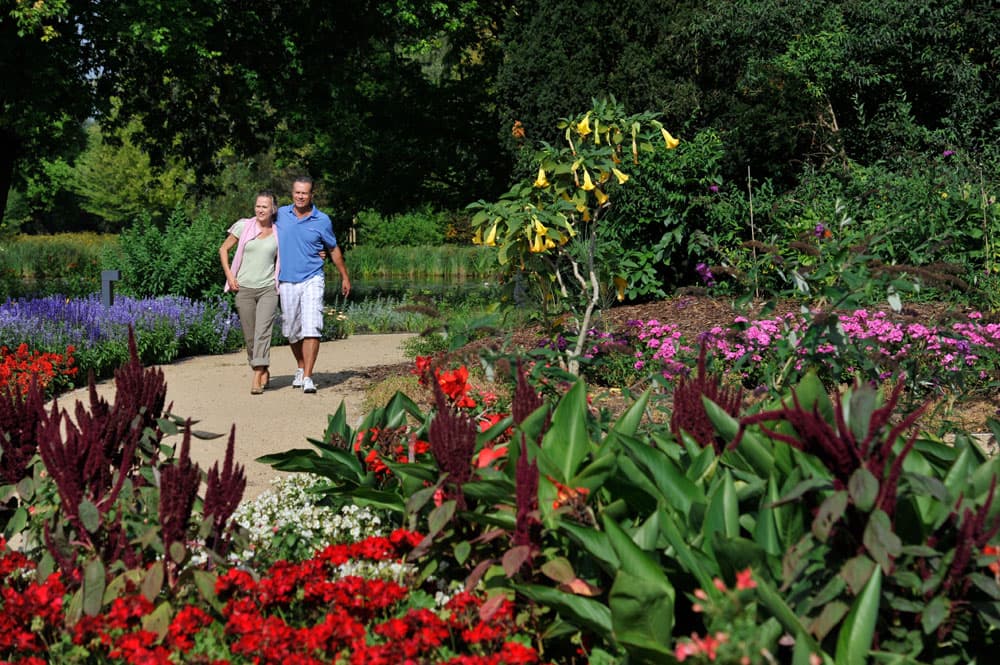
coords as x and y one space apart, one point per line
855 638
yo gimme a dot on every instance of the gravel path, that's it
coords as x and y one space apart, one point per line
215 392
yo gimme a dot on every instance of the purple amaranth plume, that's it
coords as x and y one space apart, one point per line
92 456
223 493
527 530
689 413
179 480
20 419
839 449
453 441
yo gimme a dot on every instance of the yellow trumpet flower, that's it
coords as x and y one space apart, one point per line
549 244
601 197
539 227
597 132
586 215
588 184
541 180
671 141
491 237
583 127
622 177
539 244
603 176
620 285
478 238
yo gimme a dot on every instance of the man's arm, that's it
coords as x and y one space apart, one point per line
337 257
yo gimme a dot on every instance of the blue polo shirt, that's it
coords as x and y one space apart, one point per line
300 241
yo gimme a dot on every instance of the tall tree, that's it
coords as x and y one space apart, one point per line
322 81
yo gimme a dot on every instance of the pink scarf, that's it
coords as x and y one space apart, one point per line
251 229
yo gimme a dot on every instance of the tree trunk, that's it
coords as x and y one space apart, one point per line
10 150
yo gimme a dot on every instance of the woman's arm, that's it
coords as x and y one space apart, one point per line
224 249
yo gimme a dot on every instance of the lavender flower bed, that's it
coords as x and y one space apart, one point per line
165 328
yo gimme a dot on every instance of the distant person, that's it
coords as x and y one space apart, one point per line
305 236
253 277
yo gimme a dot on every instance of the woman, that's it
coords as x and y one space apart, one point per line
253 276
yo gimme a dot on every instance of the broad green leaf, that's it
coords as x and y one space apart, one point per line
17 521
829 513
595 543
855 638
364 496
25 487
811 392
89 516
152 581
559 570
440 516
723 513
462 549
92 592
642 616
158 621
205 581
859 407
751 449
772 600
567 441
766 532
863 488
594 475
934 613
581 611
674 486
881 541
693 560
828 619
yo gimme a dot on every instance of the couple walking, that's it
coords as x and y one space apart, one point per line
280 254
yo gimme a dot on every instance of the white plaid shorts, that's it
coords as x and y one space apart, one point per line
302 308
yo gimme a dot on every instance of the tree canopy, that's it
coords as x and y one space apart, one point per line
399 103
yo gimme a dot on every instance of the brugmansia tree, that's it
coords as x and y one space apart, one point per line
532 225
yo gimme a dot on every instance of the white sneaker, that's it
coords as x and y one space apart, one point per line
297 381
307 385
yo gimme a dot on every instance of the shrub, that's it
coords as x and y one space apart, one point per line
417 227
179 260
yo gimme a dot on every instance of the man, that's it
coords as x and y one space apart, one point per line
305 237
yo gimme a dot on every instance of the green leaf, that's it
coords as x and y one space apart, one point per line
581 611
679 492
595 543
559 570
440 516
205 581
92 591
17 521
89 516
723 513
855 638
934 613
881 541
829 513
752 449
642 617
462 549
152 581
860 405
566 442
863 489
158 621
766 532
